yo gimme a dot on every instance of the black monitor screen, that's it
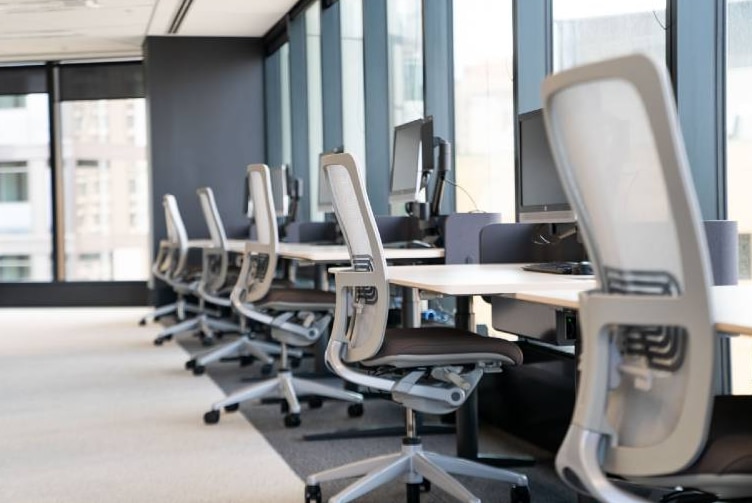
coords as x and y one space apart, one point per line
540 197
406 162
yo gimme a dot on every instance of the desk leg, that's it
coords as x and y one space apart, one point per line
320 282
320 277
410 307
467 416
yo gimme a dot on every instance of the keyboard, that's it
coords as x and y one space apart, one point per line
582 268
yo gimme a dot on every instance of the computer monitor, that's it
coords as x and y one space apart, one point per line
540 196
407 162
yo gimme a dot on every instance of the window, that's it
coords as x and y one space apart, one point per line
353 78
106 185
286 117
25 188
590 30
14 182
315 112
405 45
12 101
738 168
484 106
15 268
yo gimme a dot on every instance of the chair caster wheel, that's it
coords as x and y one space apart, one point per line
207 341
266 369
284 407
313 494
425 486
141 323
355 410
190 364
292 420
233 407
315 402
198 370
246 361
159 340
519 494
211 417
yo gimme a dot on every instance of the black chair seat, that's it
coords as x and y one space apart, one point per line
415 347
297 298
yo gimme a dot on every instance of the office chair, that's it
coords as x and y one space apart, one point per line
170 265
213 287
297 317
431 370
645 410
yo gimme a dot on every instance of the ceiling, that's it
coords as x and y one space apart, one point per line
42 30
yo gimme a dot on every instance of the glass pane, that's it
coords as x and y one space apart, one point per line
353 84
739 169
405 27
106 190
483 114
484 106
590 30
315 113
284 82
25 189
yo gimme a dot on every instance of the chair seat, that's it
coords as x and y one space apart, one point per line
728 449
296 299
417 347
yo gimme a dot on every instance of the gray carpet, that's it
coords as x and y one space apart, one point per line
309 457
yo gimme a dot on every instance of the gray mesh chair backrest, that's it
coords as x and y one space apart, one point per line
355 217
263 263
216 260
176 234
618 148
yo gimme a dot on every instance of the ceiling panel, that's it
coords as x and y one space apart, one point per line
35 30
240 18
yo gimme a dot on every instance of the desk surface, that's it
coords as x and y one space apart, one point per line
483 279
730 305
331 254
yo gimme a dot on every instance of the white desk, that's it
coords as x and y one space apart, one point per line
323 255
730 305
332 254
483 279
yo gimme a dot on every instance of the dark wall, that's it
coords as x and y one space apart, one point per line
206 121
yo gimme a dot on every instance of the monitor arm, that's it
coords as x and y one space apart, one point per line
443 167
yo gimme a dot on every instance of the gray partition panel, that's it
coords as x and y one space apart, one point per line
462 236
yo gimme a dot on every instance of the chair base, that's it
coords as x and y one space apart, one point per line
180 308
207 326
288 387
414 465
